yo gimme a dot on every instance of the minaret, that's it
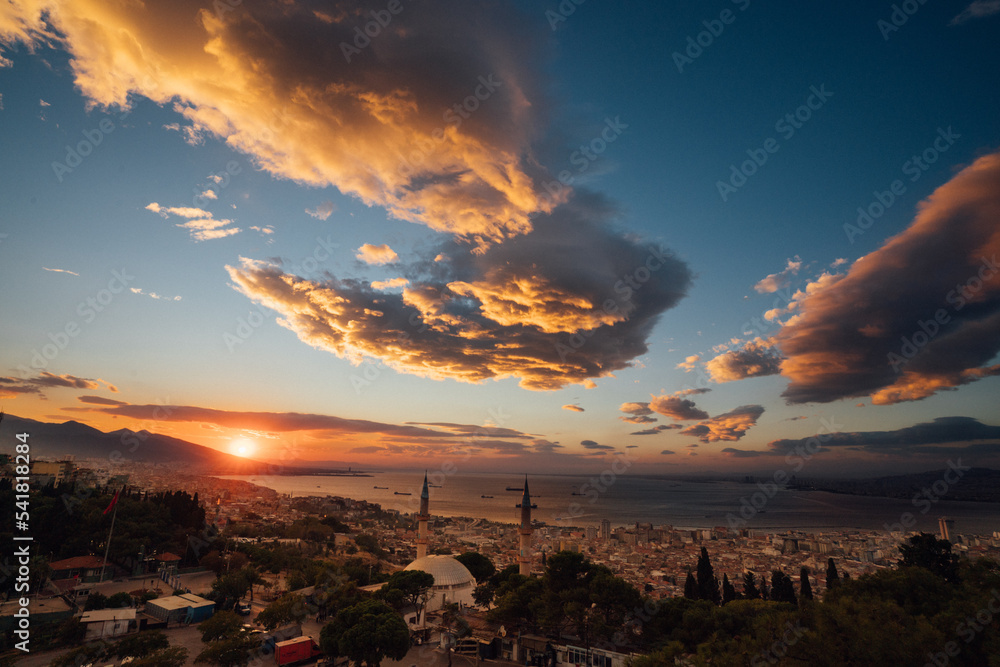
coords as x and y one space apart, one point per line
524 558
422 519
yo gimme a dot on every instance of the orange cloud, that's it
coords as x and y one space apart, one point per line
376 254
919 315
730 426
440 137
756 358
441 327
681 409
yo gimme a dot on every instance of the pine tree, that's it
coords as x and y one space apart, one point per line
708 584
690 587
728 592
805 588
750 590
832 577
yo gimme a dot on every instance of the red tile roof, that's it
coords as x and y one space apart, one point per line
77 562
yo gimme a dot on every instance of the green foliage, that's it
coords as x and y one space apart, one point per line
728 592
366 633
142 644
750 590
119 600
96 601
289 608
926 551
219 625
573 596
369 543
486 591
406 587
174 656
782 588
88 653
832 577
805 588
708 583
234 651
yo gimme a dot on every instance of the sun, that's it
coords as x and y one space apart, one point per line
243 447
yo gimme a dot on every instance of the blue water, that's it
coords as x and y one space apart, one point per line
627 499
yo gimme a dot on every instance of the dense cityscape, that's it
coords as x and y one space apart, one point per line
370 547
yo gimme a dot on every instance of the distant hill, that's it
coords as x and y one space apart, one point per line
71 438
977 484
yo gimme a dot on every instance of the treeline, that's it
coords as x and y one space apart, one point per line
67 521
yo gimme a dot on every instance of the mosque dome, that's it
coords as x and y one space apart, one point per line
448 573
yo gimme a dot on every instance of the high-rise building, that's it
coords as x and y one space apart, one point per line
605 529
946 526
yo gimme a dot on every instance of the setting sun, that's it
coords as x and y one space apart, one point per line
243 447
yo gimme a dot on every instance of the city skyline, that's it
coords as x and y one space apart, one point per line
527 237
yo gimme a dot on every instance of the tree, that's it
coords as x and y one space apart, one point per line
96 601
366 633
142 644
234 651
369 543
406 587
728 592
750 590
219 625
832 577
478 565
805 588
926 551
782 588
708 583
690 587
485 592
289 608
175 656
120 600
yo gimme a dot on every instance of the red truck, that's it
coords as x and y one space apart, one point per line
294 651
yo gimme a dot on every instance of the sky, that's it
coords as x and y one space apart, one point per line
508 236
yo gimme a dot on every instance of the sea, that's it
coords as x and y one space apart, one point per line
627 499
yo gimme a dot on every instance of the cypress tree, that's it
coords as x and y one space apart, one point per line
805 588
750 590
832 577
690 587
708 584
728 592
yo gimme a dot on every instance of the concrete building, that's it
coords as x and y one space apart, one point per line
186 608
103 623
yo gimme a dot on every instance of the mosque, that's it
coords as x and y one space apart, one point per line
453 583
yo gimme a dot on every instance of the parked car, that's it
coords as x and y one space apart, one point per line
243 608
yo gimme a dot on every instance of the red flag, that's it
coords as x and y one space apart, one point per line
114 501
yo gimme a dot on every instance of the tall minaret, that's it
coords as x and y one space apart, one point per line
422 519
524 558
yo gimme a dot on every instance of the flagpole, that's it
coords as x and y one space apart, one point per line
107 547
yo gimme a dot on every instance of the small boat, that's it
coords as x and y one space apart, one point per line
577 494
485 496
511 488
401 493
380 487
434 486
